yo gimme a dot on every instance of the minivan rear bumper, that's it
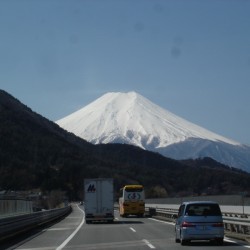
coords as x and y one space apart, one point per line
192 234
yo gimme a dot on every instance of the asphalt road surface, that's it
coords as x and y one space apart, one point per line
72 233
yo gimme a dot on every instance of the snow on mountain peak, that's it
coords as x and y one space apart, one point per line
133 119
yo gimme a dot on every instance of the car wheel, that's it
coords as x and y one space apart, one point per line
183 242
176 239
219 241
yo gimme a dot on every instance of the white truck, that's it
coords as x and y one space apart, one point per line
99 200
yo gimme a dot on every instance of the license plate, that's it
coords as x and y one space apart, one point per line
202 227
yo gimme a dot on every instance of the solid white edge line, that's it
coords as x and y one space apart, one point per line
74 233
235 242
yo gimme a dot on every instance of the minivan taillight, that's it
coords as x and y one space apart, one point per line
219 224
187 224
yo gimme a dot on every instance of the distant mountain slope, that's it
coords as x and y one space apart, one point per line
36 153
13 112
130 118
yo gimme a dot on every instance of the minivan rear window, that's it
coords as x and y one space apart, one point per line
203 210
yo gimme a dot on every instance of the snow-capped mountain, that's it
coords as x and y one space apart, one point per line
131 118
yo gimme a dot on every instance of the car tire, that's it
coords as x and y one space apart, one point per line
219 241
183 242
176 239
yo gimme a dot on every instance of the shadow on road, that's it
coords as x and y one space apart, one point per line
115 222
19 239
211 244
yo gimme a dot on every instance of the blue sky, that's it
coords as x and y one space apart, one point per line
191 57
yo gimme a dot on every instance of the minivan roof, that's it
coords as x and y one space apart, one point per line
199 202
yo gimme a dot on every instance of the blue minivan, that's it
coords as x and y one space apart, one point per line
199 220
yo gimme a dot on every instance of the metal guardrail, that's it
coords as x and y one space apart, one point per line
233 222
14 225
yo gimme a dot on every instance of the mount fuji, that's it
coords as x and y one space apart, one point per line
133 119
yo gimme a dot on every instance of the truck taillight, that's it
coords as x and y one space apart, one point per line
187 224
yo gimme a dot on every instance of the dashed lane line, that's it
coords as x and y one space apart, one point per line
148 244
166 222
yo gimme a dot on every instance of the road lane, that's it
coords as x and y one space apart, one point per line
124 234
108 236
74 233
53 236
135 233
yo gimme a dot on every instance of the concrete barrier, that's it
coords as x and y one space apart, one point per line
11 207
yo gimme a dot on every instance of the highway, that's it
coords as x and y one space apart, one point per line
130 233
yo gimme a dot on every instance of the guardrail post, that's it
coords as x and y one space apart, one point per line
152 211
244 229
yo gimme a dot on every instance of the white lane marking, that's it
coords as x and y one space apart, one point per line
73 234
132 229
148 244
166 222
228 240
38 248
235 242
57 229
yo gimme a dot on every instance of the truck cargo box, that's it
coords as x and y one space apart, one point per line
99 200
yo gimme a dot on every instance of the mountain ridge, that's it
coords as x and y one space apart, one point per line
35 153
133 119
